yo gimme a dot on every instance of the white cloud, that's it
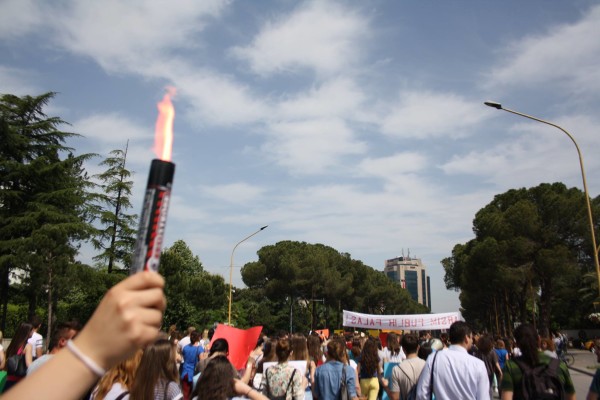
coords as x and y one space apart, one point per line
19 17
319 35
567 53
236 193
16 81
311 146
119 35
426 114
111 131
393 166
217 99
340 97
532 153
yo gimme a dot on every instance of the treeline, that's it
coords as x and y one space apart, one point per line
49 206
531 261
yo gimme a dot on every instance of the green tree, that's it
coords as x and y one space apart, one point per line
116 235
43 193
530 250
315 282
194 296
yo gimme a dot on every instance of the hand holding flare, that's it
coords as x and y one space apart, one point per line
148 245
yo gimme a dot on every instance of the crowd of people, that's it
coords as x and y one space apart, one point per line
121 354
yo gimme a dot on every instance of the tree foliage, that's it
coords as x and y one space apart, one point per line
300 278
194 296
530 250
43 193
116 236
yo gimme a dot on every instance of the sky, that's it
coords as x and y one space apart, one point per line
356 124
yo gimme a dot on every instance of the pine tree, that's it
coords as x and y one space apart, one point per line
116 237
43 199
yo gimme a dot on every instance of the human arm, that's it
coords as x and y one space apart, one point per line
249 371
594 390
391 386
128 317
28 354
243 389
351 380
507 395
2 359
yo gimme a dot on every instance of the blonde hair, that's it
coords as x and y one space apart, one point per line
122 373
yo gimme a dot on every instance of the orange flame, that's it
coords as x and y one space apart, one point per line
163 134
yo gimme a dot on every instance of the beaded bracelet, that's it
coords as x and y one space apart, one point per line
91 364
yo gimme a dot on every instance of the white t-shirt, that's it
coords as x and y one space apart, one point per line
37 342
115 391
184 342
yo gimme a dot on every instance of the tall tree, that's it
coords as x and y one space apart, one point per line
530 245
295 276
116 236
43 193
194 296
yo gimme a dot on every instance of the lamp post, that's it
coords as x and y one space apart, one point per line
231 270
585 189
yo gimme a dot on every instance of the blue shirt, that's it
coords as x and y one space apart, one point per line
190 355
327 380
501 356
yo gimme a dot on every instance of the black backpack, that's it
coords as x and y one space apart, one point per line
541 382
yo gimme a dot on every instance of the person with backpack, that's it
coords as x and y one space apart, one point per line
534 375
405 376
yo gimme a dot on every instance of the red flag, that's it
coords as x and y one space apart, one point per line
323 333
383 337
241 342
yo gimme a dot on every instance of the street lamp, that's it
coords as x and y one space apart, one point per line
585 189
231 270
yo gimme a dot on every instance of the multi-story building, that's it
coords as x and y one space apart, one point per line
411 274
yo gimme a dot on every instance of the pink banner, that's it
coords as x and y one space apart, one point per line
241 342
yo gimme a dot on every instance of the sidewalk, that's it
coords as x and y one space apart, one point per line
585 361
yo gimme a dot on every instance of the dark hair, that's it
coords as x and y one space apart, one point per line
35 321
219 345
314 348
299 347
283 349
194 337
268 354
216 381
393 343
425 350
19 339
356 346
156 370
61 331
410 344
211 332
444 338
485 344
369 358
459 330
527 340
335 350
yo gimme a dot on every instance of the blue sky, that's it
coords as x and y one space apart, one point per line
356 124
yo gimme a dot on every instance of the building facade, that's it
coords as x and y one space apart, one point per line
411 274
